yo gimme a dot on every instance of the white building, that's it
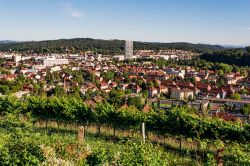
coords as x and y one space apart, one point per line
119 57
181 94
17 58
51 61
98 57
129 49
39 67
55 68
8 56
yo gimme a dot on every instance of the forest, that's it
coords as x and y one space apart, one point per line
106 47
239 57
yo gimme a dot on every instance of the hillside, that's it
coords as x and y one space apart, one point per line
239 56
98 45
45 131
7 41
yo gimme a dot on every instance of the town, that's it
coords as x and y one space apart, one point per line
137 74
124 83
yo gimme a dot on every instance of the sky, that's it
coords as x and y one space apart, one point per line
224 22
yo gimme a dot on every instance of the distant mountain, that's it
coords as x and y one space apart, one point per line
99 46
232 46
7 41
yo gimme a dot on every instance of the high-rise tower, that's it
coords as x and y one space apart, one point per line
129 49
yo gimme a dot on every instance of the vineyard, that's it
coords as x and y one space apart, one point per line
49 125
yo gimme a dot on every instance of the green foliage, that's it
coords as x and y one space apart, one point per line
179 121
210 160
100 157
64 109
224 67
103 112
58 90
243 91
142 154
231 56
12 122
135 101
130 118
17 150
108 47
9 104
4 89
20 152
2 60
116 98
236 153
109 75
246 109
235 96
135 153
20 136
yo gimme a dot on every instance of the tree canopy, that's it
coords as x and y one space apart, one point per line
98 46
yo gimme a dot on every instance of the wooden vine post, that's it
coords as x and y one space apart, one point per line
80 136
143 132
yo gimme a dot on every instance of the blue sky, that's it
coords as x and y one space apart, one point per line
196 21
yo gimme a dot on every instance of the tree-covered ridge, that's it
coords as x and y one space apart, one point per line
240 56
99 46
178 45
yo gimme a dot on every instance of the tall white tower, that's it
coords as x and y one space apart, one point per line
129 49
17 58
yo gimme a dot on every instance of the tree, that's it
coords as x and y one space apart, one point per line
1 61
235 96
36 88
4 89
49 77
109 75
192 80
220 72
58 90
135 101
79 79
243 91
102 112
116 97
246 109
228 56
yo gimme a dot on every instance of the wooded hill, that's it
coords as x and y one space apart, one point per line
240 56
99 46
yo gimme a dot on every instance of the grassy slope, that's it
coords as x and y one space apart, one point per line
62 139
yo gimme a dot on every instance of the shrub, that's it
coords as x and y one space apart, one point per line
20 152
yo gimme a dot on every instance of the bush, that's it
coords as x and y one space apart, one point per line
19 152
134 153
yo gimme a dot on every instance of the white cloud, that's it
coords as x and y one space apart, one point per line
71 11
248 29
